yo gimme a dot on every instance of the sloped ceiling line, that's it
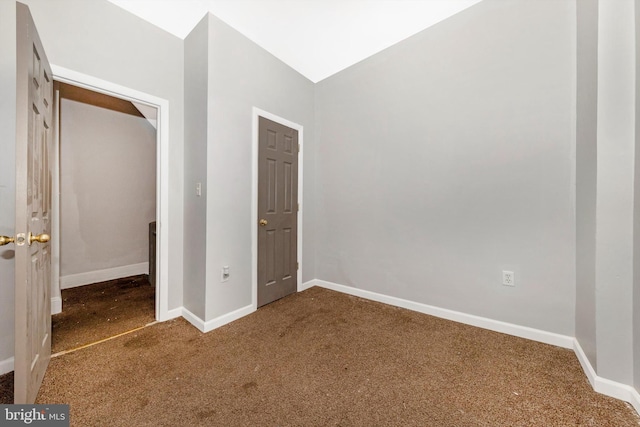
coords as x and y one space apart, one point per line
317 38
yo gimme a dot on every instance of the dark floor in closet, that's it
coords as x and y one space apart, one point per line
94 312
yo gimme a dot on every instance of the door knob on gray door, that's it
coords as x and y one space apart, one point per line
263 222
5 240
40 238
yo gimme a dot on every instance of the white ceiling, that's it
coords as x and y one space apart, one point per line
315 37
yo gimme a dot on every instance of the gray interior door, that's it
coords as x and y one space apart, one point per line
277 211
33 210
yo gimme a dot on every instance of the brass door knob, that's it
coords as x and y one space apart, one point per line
263 222
5 240
40 238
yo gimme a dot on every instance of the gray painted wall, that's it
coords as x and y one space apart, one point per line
446 159
102 40
608 178
196 60
615 179
7 172
108 188
586 168
243 75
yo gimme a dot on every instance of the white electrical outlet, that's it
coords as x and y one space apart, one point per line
508 278
225 274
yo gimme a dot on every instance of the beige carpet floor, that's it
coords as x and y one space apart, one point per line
321 358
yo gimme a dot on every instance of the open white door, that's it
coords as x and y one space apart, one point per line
33 210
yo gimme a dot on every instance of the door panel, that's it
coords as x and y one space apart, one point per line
33 202
277 211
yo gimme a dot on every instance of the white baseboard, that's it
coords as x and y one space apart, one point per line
212 324
469 319
193 319
56 305
80 279
307 285
602 385
172 314
6 366
584 361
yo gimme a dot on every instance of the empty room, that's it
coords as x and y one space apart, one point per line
368 212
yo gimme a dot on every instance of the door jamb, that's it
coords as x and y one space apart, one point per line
54 158
85 81
256 113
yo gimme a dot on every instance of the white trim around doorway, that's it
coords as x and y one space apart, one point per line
256 113
85 81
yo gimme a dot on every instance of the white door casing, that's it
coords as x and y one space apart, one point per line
95 84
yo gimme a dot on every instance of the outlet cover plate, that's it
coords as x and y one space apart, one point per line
508 278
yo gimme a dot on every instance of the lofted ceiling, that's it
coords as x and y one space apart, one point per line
315 37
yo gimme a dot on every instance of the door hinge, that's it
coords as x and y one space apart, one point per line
297 266
298 147
298 207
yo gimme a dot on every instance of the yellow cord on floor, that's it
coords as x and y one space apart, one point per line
60 353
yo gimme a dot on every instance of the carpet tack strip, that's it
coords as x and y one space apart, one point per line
60 353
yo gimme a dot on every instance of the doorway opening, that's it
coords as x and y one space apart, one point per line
106 251
161 106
